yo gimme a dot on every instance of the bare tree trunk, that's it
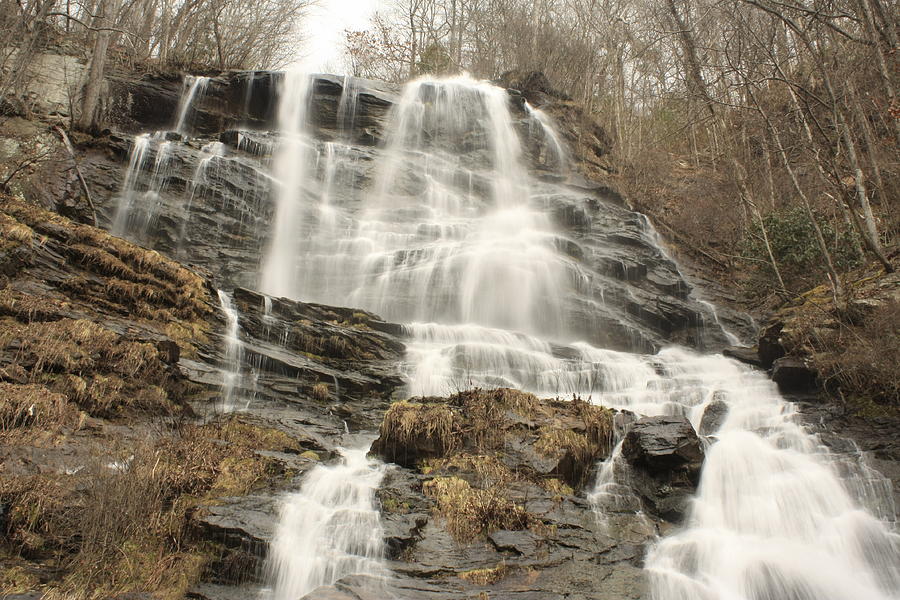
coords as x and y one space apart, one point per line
88 120
870 232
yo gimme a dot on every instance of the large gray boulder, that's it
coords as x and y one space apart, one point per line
665 455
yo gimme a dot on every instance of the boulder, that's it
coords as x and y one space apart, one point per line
713 416
749 356
665 457
794 375
770 347
660 444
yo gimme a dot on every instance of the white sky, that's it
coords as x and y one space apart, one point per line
323 32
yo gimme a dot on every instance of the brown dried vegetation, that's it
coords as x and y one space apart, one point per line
125 526
462 443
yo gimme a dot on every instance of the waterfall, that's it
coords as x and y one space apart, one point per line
139 198
193 90
279 270
330 528
501 279
234 354
551 137
773 518
139 201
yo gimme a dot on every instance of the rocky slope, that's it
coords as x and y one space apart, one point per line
111 365
114 360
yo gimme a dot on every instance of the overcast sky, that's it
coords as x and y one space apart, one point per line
323 30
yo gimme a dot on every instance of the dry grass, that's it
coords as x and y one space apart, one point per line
102 372
471 512
488 576
407 424
320 392
854 343
862 360
13 233
24 406
137 275
120 530
28 308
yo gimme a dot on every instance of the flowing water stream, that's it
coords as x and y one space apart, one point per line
504 280
454 240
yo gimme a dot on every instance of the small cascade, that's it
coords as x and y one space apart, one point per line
711 308
199 181
193 90
279 271
234 354
609 497
329 529
139 201
346 110
248 91
774 516
542 123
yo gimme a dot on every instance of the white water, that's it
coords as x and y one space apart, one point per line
773 518
279 269
548 131
234 354
454 241
140 197
193 90
330 528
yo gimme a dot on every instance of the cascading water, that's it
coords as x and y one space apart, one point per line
543 123
773 519
234 351
279 270
140 196
456 241
330 528
194 88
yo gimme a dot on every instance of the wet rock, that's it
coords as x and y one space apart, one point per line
663 443
245 523
793 374
749 356
666 456
770 346
713 416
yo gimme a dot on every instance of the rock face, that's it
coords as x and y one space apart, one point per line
633 297
794 375
110 354
483 506
713 417
666 456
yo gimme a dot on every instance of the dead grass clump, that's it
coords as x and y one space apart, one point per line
470 512
247 435
36 510
598 423
13 233
487 576
414 431
101 371
556 487
168 284
320 392
487 470
28 308
862 360
35 406
485 416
